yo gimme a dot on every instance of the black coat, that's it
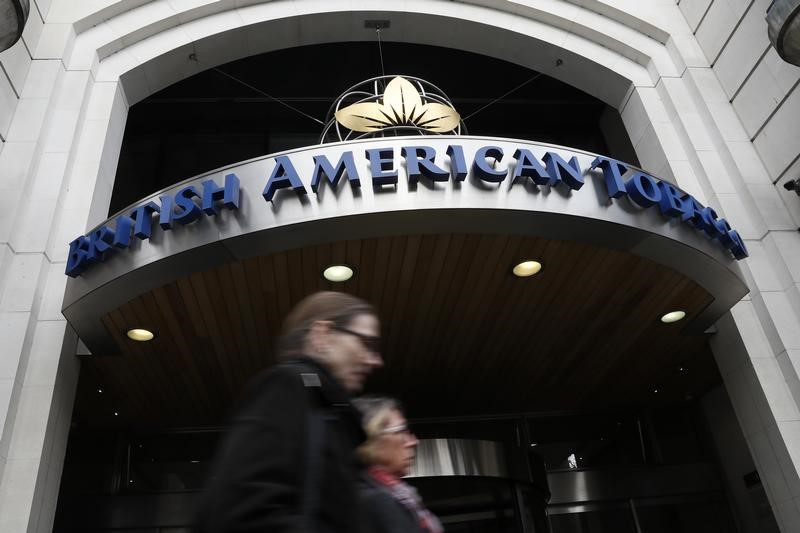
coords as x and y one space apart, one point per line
382 513
259 482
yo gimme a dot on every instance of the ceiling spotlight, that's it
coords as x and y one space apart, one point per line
116 413
99 391
337 273
140 334
527 268
673 316
793 185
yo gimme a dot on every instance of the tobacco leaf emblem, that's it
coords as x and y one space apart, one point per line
401 105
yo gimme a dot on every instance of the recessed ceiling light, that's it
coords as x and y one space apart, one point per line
527 268
337 273
140 334
673 316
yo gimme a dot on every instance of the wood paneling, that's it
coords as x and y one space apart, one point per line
462 334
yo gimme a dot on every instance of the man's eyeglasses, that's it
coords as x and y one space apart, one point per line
370 342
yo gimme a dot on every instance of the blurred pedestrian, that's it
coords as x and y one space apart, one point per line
389 504
287 463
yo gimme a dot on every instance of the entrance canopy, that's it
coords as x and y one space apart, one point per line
432 227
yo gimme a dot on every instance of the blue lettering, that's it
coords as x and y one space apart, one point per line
671 204
529 166
323 167
142 215
458 163
643 189
229 194
122 233
724 230
77 258
559 170
419 162
381 162
613 171
188 211
283 176
737 247
167 212
100 241
692 211
482 168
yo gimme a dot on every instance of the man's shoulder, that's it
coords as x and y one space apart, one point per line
282 384
298 373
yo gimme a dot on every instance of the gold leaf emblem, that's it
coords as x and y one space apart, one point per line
401 105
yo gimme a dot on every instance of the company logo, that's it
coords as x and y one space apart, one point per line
401 105
391 105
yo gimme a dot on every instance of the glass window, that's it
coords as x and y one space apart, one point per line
586 441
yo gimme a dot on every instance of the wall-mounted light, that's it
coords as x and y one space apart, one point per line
793 185
15 15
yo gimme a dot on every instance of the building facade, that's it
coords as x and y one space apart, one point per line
705 101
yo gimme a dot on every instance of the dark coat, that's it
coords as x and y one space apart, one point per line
382 513
258 481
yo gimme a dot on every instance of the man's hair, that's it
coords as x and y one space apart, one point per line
338 307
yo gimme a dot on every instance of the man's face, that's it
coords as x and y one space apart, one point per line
351 353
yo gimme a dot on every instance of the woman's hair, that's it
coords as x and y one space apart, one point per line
375 412
337 307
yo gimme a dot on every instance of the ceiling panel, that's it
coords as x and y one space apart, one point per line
462 335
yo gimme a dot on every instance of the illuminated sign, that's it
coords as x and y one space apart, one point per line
377 167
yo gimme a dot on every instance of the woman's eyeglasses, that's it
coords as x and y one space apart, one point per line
370 342
396 430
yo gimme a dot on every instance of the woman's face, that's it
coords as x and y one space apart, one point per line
396 446
348 352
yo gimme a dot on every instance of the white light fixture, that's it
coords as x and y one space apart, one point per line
140 335
337 273
673 316
527 268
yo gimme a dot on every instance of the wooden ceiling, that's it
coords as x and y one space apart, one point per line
462 335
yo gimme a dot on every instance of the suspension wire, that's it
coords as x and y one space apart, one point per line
380 48
259 91
524 83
